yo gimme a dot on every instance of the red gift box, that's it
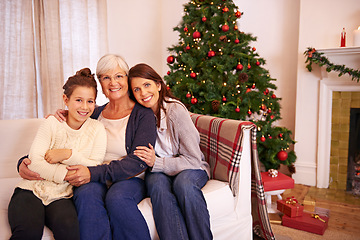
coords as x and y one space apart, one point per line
276 183
307 222
290 207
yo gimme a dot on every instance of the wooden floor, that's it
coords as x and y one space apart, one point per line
344 222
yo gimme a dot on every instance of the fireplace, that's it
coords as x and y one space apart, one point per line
353 172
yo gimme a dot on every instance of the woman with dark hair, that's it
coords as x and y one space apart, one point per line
178 169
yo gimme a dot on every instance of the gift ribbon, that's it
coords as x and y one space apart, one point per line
291 201
316 216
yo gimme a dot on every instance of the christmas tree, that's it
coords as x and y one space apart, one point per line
214 70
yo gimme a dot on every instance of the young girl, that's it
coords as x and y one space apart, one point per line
179 170
78 140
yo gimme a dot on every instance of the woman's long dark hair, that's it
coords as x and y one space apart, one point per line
143 70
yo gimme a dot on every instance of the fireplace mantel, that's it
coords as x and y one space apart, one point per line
328 84
340 51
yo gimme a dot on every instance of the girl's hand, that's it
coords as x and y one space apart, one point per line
60 115
80 177
147 154
26 173
57 155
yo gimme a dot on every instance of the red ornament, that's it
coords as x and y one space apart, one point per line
225 28
249 66
194 100
193 75
282 155
253 86
170 59
224 99
196 34
280 135
257 63
211 53
188 95
270 137
237 109
269 110
272 116
267 91
237 41
187 47
262 139
239 67
225 9
186 29
263 107
168 72
273 96
254 49
238 14
248 90
235 27
203 19
168 88
249 112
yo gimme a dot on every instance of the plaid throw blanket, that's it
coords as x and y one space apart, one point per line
221 141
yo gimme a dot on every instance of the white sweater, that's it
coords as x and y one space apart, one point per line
88 145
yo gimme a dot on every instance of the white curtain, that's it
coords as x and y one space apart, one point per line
45 42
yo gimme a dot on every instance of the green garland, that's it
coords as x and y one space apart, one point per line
313 56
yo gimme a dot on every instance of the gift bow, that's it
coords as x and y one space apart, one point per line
291 200
316 216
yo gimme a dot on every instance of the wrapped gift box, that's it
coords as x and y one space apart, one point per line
309 204
290 207
307 222
276 183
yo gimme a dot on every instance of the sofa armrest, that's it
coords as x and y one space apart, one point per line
222 141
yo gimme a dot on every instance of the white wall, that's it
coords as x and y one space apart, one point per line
141 31
321 23
149 29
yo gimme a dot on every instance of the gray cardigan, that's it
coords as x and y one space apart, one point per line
186 139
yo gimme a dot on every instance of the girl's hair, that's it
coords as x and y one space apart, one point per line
143 70
109 62
82 78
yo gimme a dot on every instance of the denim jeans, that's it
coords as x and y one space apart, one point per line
179 207
111 213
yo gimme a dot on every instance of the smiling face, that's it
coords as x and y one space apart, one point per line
114 83
146 92
81 105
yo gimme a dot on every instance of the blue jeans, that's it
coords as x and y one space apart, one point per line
111 213
179 206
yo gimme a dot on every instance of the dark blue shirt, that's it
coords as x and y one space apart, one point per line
140 131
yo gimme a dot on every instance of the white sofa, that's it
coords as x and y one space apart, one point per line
231 216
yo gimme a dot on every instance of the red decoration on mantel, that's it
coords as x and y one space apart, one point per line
343 38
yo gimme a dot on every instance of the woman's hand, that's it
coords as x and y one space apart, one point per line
147 154
78 175
26 173
57 155
61 114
